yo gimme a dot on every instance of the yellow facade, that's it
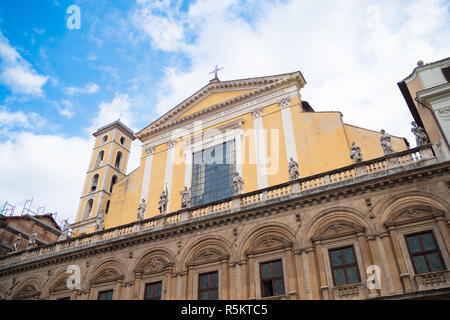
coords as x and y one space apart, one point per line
320 139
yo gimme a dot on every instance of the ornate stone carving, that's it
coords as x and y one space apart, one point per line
149 150
27 292
421 135
141 210
32 238
405 215
238 183
17 241
433 280
66 229
257 113
386 143
171 143
355 152
336 229
99 222
163 199
269 242
284 102
185 198
207 255
293 169
107 275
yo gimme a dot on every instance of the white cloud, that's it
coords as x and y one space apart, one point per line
65 108
119 107
16 73
49 169
89 88
352 54
9 120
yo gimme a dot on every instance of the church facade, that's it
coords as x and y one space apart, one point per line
245 192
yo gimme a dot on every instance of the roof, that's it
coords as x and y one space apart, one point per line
258 84
113 124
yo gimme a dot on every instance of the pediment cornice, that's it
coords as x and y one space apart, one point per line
260 85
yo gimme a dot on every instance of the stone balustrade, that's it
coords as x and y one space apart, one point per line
293 188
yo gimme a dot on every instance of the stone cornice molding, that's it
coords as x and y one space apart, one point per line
214 115
169 119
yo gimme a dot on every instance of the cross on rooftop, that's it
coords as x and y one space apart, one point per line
216 69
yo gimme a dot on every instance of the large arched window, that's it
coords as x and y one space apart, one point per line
88 208
107 207
118 160
113 182
94 182
99 159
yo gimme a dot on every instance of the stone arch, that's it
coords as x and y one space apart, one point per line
29 289
154 261
400 204
57 284
347 218
206 249
267 237
108 270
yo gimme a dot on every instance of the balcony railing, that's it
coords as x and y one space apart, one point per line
255 198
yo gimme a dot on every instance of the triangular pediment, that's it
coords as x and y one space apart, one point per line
337 229
153 264
106 276
410 214
206 256
217 94
28 292
268 243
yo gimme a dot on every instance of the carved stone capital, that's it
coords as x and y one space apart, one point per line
257 113
149 150
171 143
284 103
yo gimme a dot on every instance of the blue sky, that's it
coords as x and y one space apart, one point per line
140 58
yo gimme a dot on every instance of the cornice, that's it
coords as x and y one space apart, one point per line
306 199
269 83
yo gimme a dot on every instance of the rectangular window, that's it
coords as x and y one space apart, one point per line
212 171
424 252
344 266
153 291
271 274
208 286
105 295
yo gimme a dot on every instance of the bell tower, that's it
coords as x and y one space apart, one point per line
108 165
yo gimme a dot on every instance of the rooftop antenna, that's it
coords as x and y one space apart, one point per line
25 209
8 208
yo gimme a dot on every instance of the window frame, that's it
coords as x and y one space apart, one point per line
272 278
344 266
208 289
105 291
153 283
424 253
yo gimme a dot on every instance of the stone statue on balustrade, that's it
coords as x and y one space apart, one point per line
17 241
293 169
163 200
238 183
386 143
141 210
421 135
99 222
185 198
355 152
65 233
32 238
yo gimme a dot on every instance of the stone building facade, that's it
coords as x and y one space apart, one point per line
328 223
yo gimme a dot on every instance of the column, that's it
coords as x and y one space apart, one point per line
292 275
225 285
314 283
404 275
117 290
169 170
324 289
443 228
288 129
391 262
147 170
251 277
261 163
188 154
137 287
168 286
232 282
377 261
300 274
